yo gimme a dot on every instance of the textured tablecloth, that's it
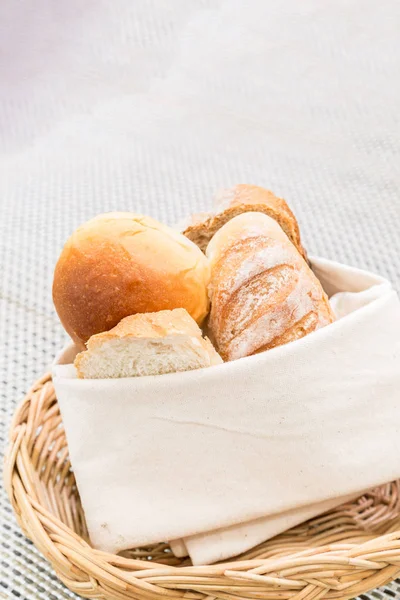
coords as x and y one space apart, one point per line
152 106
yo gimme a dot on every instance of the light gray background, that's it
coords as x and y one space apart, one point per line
152 106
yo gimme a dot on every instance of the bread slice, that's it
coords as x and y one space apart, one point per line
237 200
147 344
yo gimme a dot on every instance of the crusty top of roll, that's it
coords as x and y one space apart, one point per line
119 264
240 199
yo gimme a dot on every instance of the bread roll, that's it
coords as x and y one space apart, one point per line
237 200
120 264
147 344
263 294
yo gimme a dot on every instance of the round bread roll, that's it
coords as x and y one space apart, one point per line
120 264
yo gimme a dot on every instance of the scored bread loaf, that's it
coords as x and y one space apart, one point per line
147 344
237 200
263 294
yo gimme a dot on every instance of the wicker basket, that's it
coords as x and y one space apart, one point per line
340 555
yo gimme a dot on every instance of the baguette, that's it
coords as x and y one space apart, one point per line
263 294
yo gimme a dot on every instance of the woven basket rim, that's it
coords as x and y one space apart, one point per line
342 554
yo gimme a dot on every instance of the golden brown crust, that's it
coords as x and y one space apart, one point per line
263 294
120 264
238 200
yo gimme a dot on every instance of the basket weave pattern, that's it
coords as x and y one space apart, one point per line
342 554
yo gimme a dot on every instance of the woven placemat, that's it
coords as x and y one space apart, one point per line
151 107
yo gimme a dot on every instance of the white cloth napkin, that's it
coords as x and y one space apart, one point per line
218 460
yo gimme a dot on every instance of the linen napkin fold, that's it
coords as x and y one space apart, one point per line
220 459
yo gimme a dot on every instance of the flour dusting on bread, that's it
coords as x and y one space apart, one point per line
262 291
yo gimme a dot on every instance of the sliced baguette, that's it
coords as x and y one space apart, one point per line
147 344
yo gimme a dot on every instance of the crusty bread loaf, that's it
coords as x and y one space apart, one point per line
147 344
263 294
237 200
120 264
